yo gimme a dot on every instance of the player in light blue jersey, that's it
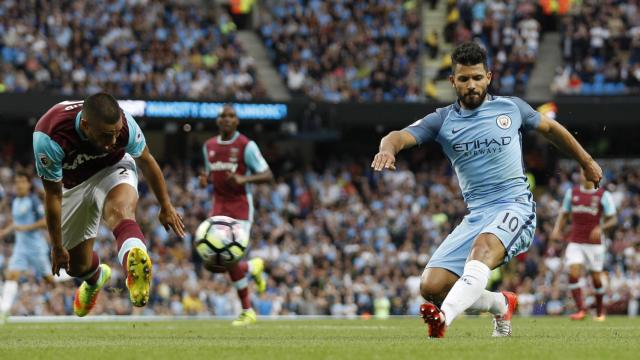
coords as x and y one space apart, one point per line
30 251
481 136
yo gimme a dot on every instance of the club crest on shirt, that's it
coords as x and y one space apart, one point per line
212 153
503 121
44 160
233 154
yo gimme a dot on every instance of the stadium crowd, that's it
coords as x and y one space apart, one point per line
346 50
135 48
343 241
601 49
508 30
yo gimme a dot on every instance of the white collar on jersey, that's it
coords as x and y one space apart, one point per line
588 191
227 142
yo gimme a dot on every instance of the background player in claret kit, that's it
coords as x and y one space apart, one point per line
480 134
592 213
84 152
232 162
30 250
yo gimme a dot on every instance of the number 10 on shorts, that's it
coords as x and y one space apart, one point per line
509 222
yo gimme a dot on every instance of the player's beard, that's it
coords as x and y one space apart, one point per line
471 102
102 149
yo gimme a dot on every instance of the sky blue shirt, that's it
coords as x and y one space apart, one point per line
26 211
484 145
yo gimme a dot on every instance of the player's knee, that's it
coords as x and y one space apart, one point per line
114 213
13 275
488 249
574 272
432 290
597 281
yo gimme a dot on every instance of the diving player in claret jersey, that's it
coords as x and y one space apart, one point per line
30 250
232 163
84 153
481 136
592 214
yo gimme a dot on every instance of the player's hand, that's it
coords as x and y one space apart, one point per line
169 218
592 172
203 179
384 160
595 234
6 231
236 179
59 259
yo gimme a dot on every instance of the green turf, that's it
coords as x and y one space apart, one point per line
533 338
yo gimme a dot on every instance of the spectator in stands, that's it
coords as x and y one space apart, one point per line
347 50
598 47
509 32
129 48
431 42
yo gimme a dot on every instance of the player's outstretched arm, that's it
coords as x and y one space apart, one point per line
609 223
391 145
563 140
40 224
168 216
203 179
556 234
53 216
261 177
7 229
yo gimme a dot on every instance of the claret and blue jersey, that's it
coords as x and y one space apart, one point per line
62 152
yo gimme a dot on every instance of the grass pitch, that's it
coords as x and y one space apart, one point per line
468 338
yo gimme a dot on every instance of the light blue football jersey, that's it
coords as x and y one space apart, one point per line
27 210
484 146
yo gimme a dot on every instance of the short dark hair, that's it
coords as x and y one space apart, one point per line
101 107
228 105
469 54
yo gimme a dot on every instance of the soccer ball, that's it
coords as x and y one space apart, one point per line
221 240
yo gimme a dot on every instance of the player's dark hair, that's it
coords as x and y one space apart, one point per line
469 54
101 107
230 105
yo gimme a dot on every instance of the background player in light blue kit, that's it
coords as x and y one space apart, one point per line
30 250
481 136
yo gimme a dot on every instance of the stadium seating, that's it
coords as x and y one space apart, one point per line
347 50
153 48
601 44
509 32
